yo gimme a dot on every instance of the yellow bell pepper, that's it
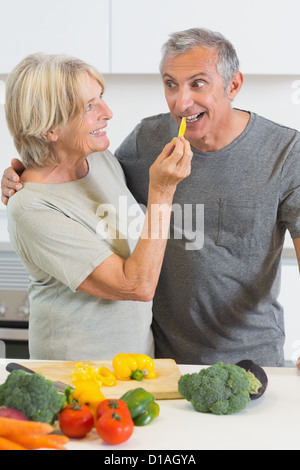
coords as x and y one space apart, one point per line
89 393
87 382
133 366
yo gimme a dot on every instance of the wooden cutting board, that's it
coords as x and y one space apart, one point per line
164 386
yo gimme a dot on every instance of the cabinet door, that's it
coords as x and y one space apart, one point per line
74 27
290 300
265 33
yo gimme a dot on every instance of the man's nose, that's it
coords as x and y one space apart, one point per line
184 100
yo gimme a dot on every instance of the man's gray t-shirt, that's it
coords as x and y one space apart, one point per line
217 297
62 232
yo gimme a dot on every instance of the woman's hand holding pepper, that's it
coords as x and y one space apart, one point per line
171 166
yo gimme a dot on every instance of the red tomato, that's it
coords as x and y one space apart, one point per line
76 420
115 427
111 404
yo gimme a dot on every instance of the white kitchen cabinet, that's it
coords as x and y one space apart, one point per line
290 300
266 33
74 27
126 36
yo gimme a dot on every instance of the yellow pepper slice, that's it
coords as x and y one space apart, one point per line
133 366
100 374
107 378
182 127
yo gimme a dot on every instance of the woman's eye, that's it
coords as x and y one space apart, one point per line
89 107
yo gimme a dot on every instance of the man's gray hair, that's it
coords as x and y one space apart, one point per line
183 41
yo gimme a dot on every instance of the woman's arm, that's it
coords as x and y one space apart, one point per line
136 278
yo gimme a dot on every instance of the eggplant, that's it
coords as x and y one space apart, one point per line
259 373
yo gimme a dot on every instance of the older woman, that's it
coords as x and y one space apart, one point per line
91 283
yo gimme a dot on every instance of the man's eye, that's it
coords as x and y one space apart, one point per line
198 84
169 84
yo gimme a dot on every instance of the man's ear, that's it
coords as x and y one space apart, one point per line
235 85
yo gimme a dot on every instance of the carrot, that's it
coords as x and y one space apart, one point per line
49 441
11 427
7 444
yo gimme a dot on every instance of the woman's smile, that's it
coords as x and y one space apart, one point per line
99 132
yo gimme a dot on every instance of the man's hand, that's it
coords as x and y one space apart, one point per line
10 182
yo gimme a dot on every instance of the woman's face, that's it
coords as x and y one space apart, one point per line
86 132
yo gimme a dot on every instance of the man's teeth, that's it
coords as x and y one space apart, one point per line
97 132
193 118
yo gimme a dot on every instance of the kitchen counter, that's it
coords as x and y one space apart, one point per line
269 423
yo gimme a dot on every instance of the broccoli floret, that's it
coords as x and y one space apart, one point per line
188 385
33 395
219 389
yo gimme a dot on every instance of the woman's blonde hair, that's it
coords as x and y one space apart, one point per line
44 92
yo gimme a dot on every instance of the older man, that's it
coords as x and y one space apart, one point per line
217 300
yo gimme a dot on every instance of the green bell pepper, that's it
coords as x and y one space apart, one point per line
142 407
148 416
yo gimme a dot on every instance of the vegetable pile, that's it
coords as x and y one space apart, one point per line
30 406
222 389
115 418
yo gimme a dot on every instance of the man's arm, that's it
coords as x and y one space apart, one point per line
297 248
10 182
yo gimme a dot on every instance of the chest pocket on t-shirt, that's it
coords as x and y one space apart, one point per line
239 222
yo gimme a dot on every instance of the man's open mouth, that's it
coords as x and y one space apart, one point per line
193 117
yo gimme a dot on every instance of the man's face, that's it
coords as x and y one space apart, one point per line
195 90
